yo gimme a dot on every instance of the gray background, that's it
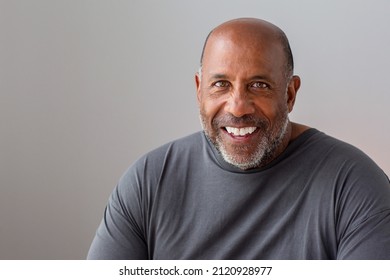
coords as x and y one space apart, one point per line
86 87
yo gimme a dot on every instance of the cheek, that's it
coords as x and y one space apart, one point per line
271 109
210 108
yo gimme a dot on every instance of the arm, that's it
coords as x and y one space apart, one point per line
370 240
364 215
121 234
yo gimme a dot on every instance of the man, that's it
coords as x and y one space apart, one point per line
252 185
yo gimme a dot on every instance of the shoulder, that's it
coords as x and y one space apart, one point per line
340 158
358 179
327 148
333 162
177 148
148 168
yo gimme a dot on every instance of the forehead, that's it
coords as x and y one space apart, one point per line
239 51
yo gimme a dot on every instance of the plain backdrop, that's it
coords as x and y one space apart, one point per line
86 87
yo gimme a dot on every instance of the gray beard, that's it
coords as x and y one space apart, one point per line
265 149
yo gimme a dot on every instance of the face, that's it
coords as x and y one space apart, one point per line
244 98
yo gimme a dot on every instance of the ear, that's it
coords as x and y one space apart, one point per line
197 83
292 91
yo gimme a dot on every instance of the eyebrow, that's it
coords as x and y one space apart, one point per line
223 76
218 76
259 77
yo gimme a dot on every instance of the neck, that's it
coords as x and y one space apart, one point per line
293 131
296 130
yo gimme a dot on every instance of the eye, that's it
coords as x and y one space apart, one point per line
259 85
221 84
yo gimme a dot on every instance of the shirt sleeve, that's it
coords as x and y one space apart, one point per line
370 240
364 215
120 234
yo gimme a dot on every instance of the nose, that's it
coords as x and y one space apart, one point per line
239 104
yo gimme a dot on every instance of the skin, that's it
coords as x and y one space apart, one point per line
244 82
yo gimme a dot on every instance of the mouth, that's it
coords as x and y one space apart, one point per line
240 131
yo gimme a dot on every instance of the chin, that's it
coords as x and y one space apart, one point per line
244 162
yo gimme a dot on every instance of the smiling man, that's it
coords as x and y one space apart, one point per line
252 185
246 89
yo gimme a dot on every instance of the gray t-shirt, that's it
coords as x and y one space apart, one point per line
320 199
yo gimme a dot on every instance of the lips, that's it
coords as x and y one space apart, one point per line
242 131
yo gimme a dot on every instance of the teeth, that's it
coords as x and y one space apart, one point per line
240 131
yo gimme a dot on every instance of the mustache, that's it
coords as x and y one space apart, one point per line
245 120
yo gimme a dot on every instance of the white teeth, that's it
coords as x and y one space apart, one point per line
240 131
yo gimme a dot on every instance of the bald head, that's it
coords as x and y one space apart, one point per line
252 31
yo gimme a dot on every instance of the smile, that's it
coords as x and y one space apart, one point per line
243 131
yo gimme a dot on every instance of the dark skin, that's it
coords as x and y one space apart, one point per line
244 73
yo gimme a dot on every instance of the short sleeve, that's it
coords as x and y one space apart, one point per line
370 240
120 234
364 210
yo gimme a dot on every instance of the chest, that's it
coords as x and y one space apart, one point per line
240 218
